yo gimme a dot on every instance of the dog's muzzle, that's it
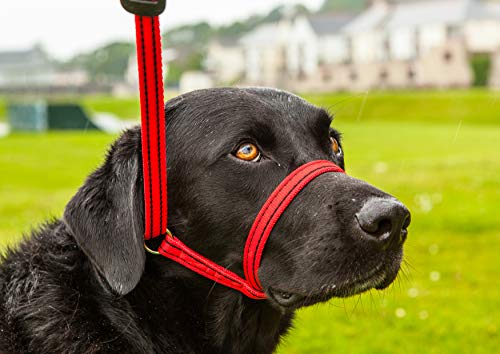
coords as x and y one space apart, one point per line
263 225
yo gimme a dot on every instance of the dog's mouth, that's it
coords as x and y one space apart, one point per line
379 278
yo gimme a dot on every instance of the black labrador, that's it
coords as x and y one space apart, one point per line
84 284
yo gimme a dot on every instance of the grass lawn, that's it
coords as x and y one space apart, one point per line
125 108
442 161
474 106
3 112
448 300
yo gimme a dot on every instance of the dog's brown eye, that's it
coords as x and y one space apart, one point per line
335 146
248 152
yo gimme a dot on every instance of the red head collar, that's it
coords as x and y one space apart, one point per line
263 225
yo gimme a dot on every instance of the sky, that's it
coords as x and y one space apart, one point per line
67 27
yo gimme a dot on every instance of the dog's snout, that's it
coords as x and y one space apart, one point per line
385 220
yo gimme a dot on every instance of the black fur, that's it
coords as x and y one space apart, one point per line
84 284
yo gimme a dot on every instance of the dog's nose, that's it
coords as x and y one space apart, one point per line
385 220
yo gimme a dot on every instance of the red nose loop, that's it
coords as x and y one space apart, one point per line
272 210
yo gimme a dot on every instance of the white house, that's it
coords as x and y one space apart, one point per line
265 51
294 49
225 61
427 36
334 46
302 49
391 44
482 29
415 28
22 68
495 72
367 34
131 84
421 43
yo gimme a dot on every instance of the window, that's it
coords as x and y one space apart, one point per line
411 74
448 56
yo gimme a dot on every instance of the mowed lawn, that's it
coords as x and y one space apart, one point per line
446 168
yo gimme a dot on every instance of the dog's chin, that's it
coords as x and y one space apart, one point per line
379 279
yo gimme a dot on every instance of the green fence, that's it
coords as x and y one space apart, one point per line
42 117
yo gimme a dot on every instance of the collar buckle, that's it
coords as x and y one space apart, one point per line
168 234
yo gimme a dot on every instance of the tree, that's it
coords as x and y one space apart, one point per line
108 63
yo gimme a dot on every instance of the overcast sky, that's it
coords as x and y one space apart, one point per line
66 27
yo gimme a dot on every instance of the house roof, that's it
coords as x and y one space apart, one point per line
372 18
329 24
29 58
384 15
417 13
449 12
484 10
268 34
227 41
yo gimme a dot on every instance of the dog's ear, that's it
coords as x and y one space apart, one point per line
106 216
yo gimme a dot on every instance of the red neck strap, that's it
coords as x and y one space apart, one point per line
149 56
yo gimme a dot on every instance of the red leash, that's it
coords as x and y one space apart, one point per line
154 159
154 147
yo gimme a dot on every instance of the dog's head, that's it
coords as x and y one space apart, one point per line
227 151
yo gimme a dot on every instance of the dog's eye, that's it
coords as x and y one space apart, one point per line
248 152
337 150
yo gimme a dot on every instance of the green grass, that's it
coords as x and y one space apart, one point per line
39 175
448 176
444 168
3 109
125 108
475 106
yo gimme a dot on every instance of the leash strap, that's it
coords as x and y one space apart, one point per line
177 251
154 159
267 218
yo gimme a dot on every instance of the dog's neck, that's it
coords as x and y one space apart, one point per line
223 320
172 310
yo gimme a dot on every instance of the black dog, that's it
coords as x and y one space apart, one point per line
84 284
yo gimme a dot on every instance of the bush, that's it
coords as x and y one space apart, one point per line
481 67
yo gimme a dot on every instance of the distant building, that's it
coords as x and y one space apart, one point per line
21 68
265 50
32 71
131 84
294 49
495 71
334 47
391 44
225 61
367 35
195 80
